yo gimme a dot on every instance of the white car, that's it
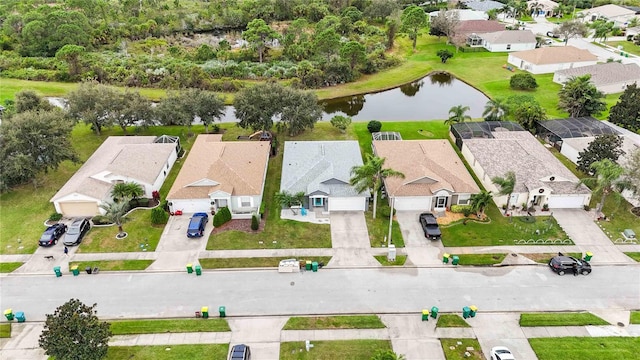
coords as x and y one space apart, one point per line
501 353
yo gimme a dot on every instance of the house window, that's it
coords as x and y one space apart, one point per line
463 199
318 201
221 203
245 201
508 46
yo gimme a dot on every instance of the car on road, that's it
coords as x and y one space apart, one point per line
196 224
501 353
551 34
562 264
430 226
52 234
240 352
76 231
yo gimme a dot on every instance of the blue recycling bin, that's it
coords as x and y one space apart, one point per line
20 316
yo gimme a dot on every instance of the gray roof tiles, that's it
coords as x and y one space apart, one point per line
607 73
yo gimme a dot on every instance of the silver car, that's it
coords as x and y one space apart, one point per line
76 231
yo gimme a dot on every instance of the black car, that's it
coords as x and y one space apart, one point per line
197 224
430 226
562 264
76 231
52 234
240 352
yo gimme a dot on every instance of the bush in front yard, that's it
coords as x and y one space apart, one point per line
255 223
101 220
55 217
159 216
459 209
222 216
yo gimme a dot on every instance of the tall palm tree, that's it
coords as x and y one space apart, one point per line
480 201
607 179
495 109
457 114
506 185
128 190
115 212
369 177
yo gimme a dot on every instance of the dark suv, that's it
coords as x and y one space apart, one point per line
240 352
52 234
430 226
196 224
562 264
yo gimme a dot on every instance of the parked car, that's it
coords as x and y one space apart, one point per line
196 224
501 353
52 234
76 231
430 226
562 264
547 41
240 352
555 36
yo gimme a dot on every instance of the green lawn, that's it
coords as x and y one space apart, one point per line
634 255
543 258
627 46
560 319
255 262
334 322
379 228
409 130
339 349
619 216
5 330
451 320
457 353
580 348
113 265
635 317
9 267
480 259
143 236
169 352
127 327
400 260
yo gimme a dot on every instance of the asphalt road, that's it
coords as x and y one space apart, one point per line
329 291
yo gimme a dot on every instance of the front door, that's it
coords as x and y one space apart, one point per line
441 202
318 202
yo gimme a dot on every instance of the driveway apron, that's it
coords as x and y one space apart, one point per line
414 338
420 251
496 329
175 250
350 240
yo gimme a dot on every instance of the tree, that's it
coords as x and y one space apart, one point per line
287 200
380 9
506 185
413 19
258 33
480 201
369 177
607 178
33 142
387 355
353 52
632 171
93 104
572 28
579 97
525 110
457 114
495 109
326 43
626 112
523 81
393 26
444 24
132 109
74 331
208 106
115 212
126 190
444 55
606 146
71 55
341 122
374 126
602 30
27 100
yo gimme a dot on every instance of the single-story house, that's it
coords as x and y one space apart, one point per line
469 30
463 14
547 60
509 40
542 7
435 177
610 78
145 160
483 5
619 15
220 174
322 170
540 177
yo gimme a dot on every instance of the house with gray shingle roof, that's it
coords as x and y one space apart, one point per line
140 159
610 78
509 40
322 170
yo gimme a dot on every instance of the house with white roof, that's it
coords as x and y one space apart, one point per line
550 59
619 15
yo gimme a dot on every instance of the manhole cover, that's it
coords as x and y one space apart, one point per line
292 283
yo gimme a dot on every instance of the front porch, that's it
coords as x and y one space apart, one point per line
314 216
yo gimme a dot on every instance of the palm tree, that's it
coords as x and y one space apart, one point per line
607 178
387 355
495 109
369 177
506 185
457 114
128 190
287 200
115 212
480 201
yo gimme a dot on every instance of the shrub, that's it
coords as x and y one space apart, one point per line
159 216
55 216
384 211
262 207
222 216
101 220
523 81
255 223
374 126
460 209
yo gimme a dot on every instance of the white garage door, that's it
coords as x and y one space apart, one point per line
347 204
191 205
566 202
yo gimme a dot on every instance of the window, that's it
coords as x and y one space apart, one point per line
318 201
508 46
463 199
245 201
221 203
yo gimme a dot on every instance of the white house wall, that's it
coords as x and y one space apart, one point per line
238 212
162 176
546 68
514 47
570 152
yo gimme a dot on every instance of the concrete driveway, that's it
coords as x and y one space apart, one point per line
175 250
350 240
502 329
420 251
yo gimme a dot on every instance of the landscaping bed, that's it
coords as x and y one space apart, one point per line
338 349
334 322
560 319
128 327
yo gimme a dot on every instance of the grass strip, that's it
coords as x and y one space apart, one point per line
543 258
560 319
127 327
455 349
634 255
334 322
481 259
580 348
169 352
634 317
5 330
400 260
113 265
451 320
339 349
9 266
254 262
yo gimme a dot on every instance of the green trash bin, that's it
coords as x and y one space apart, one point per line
466 312
434 312
8 314
20 316
588 255
205 312
445 258
198 270
56 269
473 310
223 311
455 260
74 269
189 268
308 265
314 266
425 315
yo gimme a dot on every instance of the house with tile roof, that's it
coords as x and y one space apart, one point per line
220 174
509 40
619 15
435 177
322 171
610 78
550 59
145 160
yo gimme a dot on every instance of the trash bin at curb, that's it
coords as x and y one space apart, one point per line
455 260
189 268
445 258
198 270
466 312
588 255
56 269
223 311
473 310
74 270
314 266
8 314
434 312
20 316
425 315
205 312
308 265
88 270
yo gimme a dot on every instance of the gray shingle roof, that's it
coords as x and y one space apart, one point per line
607 73
483 5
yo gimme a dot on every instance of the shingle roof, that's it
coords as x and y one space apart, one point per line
520 152
510 37
555 55
607 73
428 166
235 167
483 5
320 166
478 26
609 11
136 157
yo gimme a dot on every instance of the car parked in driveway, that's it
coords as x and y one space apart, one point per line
430 226
76 231
52 234
501 353
240 352
197 224
562 264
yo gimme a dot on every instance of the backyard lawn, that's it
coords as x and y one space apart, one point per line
334 322
127 327
560 319
339 349
169 352
580 348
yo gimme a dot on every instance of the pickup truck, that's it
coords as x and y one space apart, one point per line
430 226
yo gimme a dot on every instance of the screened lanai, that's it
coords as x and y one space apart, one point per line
481 129
553 131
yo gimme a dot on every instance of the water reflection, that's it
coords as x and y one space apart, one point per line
412 89
350 105
442 79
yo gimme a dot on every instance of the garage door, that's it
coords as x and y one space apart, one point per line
347 204
191 205
79 208
566 202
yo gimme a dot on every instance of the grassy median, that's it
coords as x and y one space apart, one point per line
334 322
560 319
451 320
128 327
169 352
581 348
